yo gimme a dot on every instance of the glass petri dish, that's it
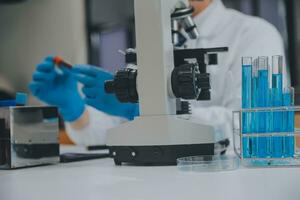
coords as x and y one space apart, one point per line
208 163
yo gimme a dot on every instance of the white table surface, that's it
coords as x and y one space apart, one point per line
102 180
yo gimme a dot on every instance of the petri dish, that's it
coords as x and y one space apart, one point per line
208 163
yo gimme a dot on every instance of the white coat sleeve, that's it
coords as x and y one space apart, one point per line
266 42
94 133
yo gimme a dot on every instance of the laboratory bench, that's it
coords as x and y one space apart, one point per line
101 179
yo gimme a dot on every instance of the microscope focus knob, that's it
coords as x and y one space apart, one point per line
185 81
123 86
203 81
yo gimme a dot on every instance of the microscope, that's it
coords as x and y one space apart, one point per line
165 79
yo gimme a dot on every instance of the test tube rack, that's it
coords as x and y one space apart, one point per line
242 140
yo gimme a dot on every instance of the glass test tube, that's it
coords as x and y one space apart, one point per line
246 102
288 123
263 101
254 117
277 98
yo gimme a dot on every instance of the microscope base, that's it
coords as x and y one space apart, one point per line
160 140
157 155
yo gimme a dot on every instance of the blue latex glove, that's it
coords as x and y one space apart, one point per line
57 87
93 79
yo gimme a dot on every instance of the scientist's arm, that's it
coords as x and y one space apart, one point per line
85 125
103 112
91 127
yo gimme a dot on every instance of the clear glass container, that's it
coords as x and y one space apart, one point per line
208 163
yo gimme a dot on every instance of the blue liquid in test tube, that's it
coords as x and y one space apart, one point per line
277 101
254 116
263 102
288 123
246 103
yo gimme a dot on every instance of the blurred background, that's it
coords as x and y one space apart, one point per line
92 31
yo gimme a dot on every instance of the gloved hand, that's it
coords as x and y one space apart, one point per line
93 79
57 89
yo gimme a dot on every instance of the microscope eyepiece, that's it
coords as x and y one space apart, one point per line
183 16
190 27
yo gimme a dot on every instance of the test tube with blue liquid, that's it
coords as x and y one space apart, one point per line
277 101
289 123
246 103
254 116
263 102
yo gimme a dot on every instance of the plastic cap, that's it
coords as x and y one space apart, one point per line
21 98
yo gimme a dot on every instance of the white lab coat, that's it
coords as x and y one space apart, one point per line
218 26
